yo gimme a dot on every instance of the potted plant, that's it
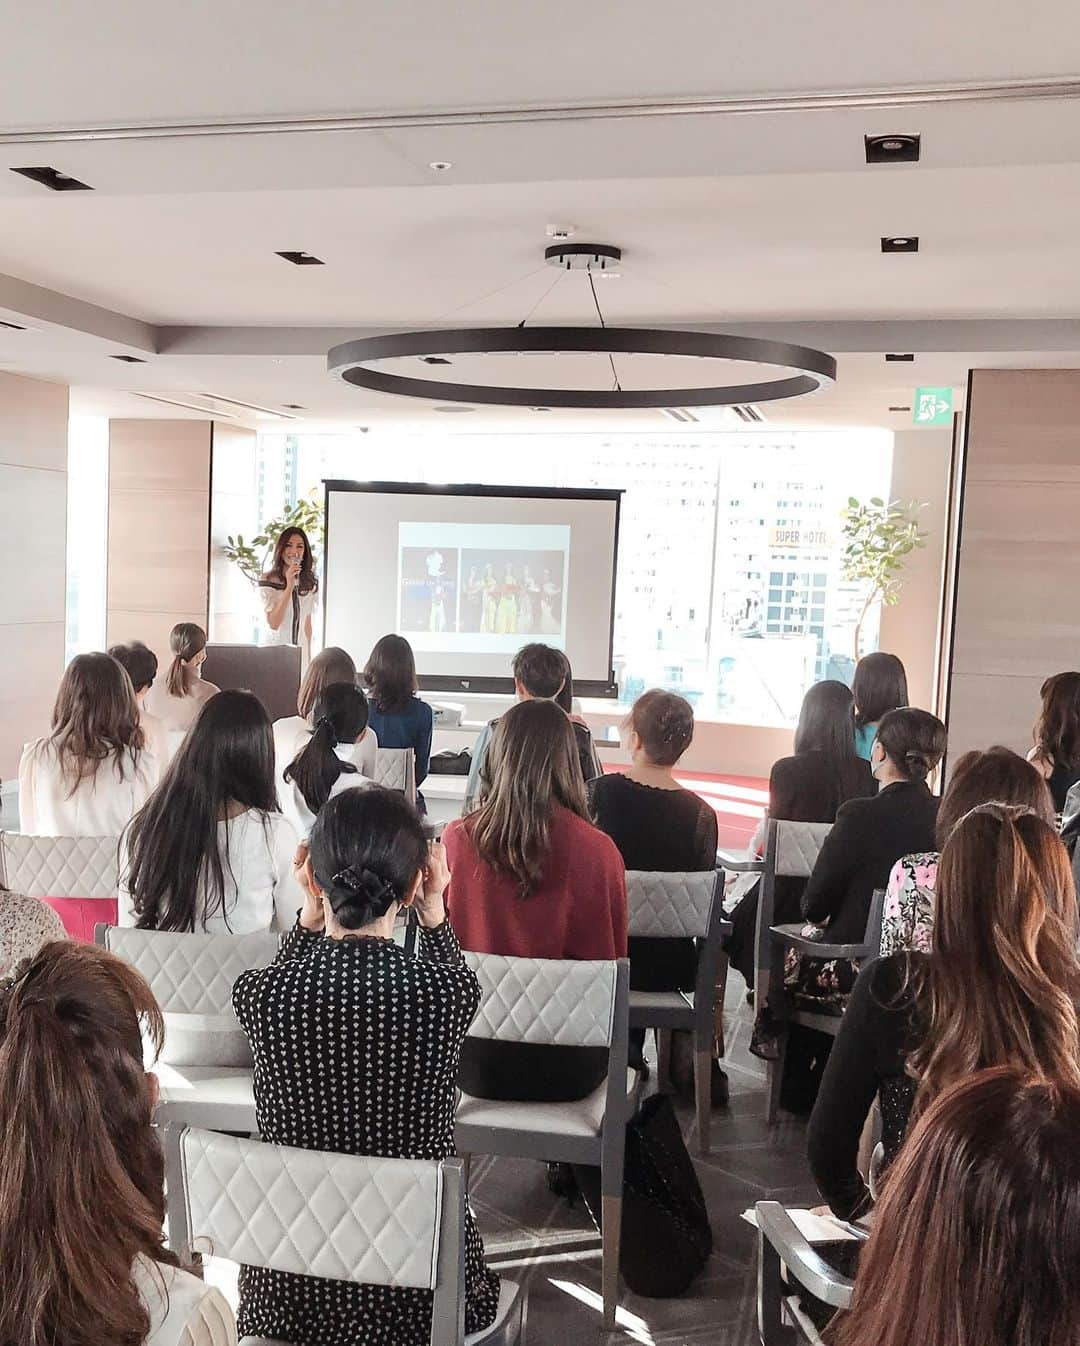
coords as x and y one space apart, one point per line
253 557
878 539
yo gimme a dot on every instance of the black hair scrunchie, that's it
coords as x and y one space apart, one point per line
355 882
324 722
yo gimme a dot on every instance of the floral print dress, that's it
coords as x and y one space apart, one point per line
907 921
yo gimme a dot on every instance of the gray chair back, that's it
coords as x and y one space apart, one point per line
556 1002
59 866
791 850
673 906
395 768
192 976
343 1217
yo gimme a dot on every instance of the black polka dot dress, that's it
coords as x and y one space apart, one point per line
356 1050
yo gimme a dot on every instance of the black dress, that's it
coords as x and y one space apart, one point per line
356 1050
804 788
670 831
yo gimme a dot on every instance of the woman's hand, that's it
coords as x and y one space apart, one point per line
312 915
292 574
429 904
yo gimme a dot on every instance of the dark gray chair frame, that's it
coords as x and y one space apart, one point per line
696 1010
781 1321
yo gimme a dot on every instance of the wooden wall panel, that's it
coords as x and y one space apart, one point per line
1016 621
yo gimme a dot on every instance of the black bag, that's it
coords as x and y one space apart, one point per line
451 763
666 1237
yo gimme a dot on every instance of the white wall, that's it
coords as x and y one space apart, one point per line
33 488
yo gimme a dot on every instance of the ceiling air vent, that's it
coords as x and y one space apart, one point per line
749 414
679 414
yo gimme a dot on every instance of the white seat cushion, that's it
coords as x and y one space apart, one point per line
216 1097
585 1117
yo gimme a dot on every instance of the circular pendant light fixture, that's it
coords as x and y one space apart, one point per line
802 369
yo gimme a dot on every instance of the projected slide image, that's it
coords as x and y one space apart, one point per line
512 592
429 589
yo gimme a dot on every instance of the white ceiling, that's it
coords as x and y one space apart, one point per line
746 220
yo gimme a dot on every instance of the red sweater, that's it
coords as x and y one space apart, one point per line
578 911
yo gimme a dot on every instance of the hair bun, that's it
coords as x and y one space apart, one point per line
917 763
355 884
325 722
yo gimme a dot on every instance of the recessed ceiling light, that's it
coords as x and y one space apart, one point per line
900 243
892 149
897 357
301 258
899 408
292 406
128 359
53 179
434 360
440 165
539 408
452 410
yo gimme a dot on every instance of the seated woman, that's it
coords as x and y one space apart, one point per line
77 1144
995 776
657 825
177 701
532 877
397 715
808 787
211 851
325 766
976 1238
291 733
92 772
1057 735
26 923
879 685
1000 986
140 663
356 1051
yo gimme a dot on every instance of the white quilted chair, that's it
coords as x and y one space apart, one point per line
683 906
77 876
343 1217
791 850
205 1068
396 769
559 1003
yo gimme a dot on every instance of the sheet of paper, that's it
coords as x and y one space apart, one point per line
813 1228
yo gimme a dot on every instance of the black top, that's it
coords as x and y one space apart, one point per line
655 829
876 1035
356 1050
1060 782
867 839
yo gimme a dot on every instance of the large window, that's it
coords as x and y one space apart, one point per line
729 584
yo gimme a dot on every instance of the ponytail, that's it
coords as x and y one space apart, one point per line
81 1173
341 716
186 640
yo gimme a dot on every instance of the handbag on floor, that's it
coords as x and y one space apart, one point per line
450 763
666 1237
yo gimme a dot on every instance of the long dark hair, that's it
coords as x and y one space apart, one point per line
531 766
306 582
1057 730
879 685
1002 982
976 1239
175 873
564 697
390 675
341 716
367 847
95 719
81 1171
332 664
827 726
186 640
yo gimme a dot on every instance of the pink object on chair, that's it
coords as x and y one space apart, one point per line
81 914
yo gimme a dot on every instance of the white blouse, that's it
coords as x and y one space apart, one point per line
295 807
178 712
184 1311
292 733
101 805
261 893
304 610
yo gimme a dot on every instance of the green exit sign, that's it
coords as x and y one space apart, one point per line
933 406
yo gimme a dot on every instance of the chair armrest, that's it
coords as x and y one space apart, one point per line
808 1268
792 937
724 860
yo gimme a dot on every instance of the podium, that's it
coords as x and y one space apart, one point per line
272 672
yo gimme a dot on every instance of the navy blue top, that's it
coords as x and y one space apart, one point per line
405 729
